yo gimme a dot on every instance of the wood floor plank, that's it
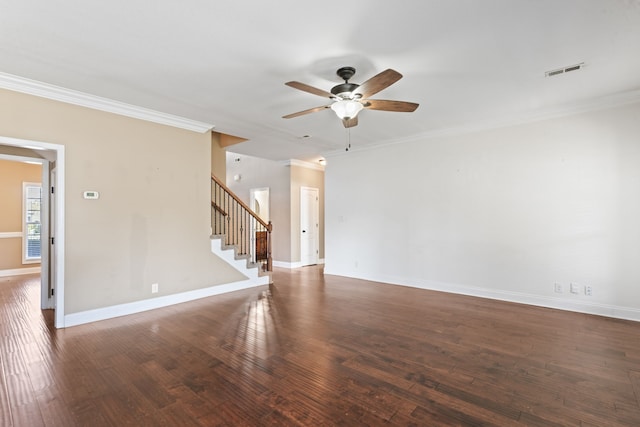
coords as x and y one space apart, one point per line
634 377
6 418
54 408
318 350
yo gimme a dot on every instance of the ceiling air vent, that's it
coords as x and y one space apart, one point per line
563 70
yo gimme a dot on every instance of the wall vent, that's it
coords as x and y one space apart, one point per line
564 70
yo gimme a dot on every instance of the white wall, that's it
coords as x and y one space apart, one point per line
284 180
503 213
258 173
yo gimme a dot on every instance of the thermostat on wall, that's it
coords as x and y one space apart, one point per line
91 195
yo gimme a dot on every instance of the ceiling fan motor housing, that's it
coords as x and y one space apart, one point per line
345 90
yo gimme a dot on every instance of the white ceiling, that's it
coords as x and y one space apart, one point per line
469 63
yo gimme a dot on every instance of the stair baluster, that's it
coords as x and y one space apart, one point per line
241 227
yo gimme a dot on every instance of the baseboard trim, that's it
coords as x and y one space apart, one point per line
285 264
113 311
19 271
586 307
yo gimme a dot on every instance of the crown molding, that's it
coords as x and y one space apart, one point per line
69 96
302 164
597 104
602 103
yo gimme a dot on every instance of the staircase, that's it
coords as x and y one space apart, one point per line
239 235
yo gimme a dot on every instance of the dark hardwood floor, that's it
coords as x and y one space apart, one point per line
320 351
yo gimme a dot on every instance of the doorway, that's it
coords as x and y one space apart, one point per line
52 219
259 204
309 226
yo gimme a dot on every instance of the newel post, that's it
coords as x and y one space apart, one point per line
269 260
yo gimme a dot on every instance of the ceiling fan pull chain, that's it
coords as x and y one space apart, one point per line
348 139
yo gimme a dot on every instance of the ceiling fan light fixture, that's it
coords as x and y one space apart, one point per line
347 99
346 109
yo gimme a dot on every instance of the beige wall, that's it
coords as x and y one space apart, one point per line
12 175
218 157
151 223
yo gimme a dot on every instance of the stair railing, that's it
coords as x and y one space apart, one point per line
241 227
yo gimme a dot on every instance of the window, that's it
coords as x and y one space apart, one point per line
31 243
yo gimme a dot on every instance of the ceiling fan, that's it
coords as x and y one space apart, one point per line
350 98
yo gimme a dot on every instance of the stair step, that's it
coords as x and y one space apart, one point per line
240 262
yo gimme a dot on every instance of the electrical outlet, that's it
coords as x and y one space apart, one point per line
588 291
557 288
154 288
575 289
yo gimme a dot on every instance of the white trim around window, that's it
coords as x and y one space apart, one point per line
31 222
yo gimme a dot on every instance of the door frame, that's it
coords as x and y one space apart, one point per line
252 231
252 199
53 173
50 152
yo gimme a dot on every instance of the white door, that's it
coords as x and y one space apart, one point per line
52 246
309 232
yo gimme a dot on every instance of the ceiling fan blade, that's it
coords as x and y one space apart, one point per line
302 113
378 82
310 89
349 123
384 105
